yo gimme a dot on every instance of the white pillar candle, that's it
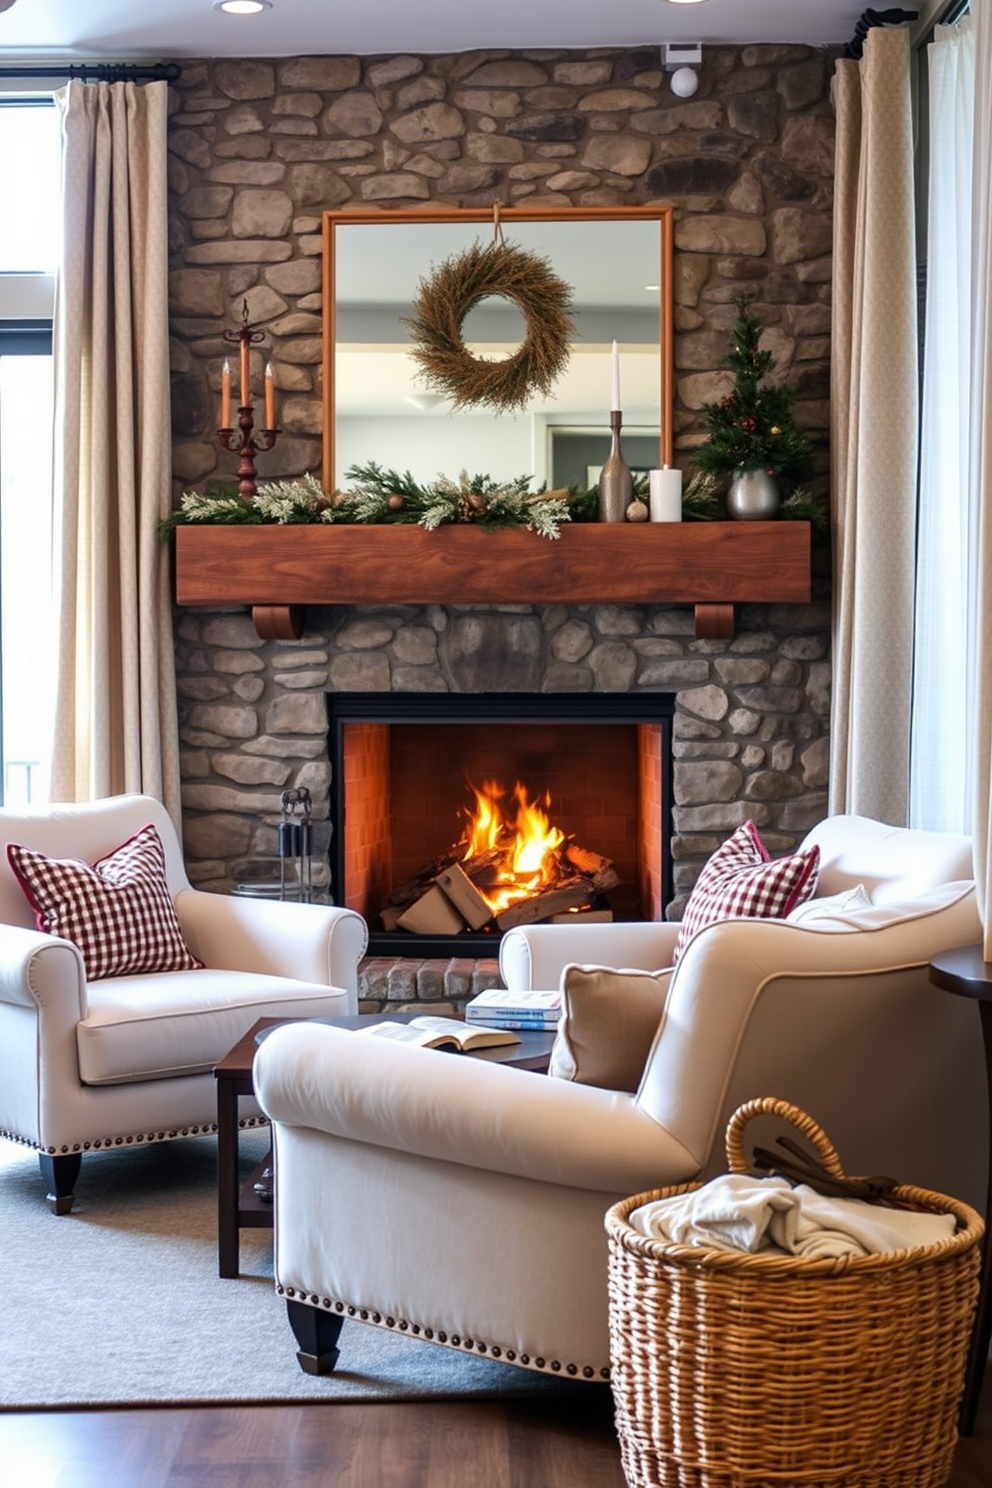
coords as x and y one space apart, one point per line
615 404
666 495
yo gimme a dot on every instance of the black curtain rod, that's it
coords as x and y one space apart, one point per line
872 18
101 72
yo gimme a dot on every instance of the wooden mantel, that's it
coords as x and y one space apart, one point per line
278 570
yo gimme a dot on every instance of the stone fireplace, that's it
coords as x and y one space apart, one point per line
258 150
749 725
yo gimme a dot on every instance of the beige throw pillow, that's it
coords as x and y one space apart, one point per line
607 1025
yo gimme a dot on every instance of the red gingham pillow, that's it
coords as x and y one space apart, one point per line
740 879
118 912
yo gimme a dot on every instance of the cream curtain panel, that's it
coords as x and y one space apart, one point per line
115 722
981 450
874 431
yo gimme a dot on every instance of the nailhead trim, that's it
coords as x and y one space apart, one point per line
452 1340
96 1144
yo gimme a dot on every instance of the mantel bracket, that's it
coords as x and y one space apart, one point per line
714 622
279 622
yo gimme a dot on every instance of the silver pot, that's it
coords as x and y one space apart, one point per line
753 496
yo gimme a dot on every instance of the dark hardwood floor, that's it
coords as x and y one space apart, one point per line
446 1445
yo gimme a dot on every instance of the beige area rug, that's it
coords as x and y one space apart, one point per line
119 1303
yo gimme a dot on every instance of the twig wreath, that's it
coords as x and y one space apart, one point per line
443 301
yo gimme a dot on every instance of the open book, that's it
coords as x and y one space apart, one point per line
439 1033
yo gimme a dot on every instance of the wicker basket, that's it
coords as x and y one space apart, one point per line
733 1370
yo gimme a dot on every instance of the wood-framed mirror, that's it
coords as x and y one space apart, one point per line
376 406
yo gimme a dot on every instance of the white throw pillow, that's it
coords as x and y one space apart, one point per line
829 905
873 916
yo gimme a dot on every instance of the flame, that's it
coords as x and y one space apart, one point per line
528 844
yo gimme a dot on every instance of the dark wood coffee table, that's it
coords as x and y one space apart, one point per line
239 1207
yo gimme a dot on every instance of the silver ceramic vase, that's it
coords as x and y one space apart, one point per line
753 496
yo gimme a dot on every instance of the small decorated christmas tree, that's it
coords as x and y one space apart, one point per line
752 427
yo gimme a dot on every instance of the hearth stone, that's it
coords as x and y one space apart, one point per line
386 983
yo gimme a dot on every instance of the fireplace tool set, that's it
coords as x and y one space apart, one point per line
295 845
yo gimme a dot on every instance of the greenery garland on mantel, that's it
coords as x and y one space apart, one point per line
387 498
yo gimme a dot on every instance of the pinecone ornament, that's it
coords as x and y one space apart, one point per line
470 508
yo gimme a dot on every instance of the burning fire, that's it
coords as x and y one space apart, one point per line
527 845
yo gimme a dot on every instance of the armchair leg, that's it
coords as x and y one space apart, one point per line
60 1174
317 1334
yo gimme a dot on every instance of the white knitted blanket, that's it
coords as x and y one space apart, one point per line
738 1212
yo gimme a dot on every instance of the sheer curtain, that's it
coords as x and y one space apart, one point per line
873 431
116 727
981 452
942 774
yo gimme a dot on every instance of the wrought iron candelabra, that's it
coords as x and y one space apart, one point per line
245 440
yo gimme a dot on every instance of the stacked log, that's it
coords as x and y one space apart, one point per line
447 896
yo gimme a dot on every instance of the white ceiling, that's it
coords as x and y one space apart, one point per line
95 29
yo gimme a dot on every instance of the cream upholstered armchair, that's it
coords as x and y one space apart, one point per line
464 1202
127 1058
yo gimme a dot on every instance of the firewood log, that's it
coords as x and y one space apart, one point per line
541 906
464 896
433 914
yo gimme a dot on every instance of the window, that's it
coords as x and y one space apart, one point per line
29 252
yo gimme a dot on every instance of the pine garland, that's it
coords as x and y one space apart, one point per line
287 501
387 497
699 498
802 507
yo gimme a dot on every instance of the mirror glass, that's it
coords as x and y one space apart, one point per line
377 406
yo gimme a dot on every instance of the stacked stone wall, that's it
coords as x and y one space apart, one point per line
258 150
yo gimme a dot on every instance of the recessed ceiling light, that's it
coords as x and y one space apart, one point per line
252 7
686 2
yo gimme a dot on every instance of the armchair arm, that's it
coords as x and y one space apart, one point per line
39 970
462 1110
534 956
808 1012
307 942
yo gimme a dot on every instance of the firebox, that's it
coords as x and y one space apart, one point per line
456 816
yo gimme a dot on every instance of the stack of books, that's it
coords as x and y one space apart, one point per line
499 1008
